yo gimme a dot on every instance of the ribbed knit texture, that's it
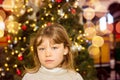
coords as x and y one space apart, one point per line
54 74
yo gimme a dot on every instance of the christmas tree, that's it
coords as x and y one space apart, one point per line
30 15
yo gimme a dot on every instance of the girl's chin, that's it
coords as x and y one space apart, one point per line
50 67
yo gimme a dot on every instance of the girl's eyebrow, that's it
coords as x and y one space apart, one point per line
41 44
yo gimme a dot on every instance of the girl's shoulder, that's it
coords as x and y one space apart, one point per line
68 74
30 76
75 75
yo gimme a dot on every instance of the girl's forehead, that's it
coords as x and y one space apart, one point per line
45 39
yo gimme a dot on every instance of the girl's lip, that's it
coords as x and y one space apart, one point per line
49 60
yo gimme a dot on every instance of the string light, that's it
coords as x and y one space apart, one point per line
19 38
29 10
1 69
16 51
33 25
22 49
52 18
77 69
7 58
42 18
2 74
35 28
83 48
15 40
15 66
12 53
24 39
50 5
7 69
27 22
6 65
65 16
9 41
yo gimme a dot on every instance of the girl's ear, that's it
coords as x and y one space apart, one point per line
66 51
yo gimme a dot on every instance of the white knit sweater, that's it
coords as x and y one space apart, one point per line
56 74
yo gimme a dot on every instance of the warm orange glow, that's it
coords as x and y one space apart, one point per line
2 14
118 27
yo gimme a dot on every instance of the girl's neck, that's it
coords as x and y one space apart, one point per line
52 70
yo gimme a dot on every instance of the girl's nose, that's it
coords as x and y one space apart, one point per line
48 53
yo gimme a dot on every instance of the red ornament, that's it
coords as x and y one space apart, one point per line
18 71
8 37
1 1
73 11
49 23
20 57
24 27
117 36
58 1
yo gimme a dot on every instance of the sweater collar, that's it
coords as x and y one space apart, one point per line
54 71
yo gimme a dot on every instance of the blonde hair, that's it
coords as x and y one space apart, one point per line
57 34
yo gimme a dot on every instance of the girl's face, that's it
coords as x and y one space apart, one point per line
51 55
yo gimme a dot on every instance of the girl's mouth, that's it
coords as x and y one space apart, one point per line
49 61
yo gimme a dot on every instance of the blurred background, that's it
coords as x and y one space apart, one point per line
93 27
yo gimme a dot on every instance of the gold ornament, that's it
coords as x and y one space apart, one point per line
13 27
1 33
8 5
93 51
97 41
89 13
90 32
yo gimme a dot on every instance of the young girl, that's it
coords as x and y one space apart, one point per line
53 54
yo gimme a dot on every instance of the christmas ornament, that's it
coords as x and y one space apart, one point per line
24 27
89 13
73 11
93 51
20 56
90 32
49 23
18 71
8 37
8 5
13 27
58 1
97 41
1 1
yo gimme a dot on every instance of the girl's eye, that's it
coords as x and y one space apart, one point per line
41 48
55 47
